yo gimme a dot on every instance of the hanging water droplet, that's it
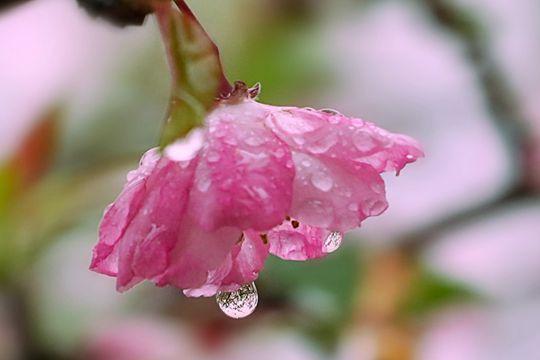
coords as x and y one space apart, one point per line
240 303
332 242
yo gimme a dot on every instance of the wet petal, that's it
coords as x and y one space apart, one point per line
245 175
196 253
119 215
153 231
334 197
297 242
350 141
242 266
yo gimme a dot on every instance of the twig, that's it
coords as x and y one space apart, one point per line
502 104
416 240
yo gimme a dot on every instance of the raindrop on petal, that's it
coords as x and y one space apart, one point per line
322 181
332 242
363 142
240 303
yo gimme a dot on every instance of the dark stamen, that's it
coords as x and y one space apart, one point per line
240 239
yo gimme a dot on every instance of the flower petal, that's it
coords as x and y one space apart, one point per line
153 231
245 174
326 134
299 242
334 197
241 267
119 215
196 253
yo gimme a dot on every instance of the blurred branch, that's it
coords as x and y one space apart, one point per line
500 101
499 96
8 4
415 240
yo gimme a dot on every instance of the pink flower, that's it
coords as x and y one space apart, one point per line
258 179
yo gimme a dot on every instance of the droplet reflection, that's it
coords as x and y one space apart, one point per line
240 303
332 242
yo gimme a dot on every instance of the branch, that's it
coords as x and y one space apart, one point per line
502 104
416 240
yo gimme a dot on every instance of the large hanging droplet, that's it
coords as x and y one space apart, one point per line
332 242
240 303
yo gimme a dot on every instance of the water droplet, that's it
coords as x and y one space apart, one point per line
240 303
410 157
377 207
363 142
377 187
332 242
322 181
322 145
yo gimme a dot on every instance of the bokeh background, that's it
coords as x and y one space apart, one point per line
450 272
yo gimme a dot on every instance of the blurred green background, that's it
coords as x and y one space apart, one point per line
450 271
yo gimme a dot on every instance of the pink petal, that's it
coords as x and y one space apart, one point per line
196 253
241 267
119 215
331 196
153 231
347 140
245 174
299 243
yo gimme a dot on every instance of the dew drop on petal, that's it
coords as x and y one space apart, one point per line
363 142
240 303
322 181
322 145
332 242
